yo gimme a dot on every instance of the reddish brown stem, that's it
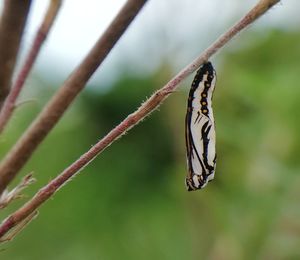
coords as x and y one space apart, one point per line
12 25
144 110
39 39
53 111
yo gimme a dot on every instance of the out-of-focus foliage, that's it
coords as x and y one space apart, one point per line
131 203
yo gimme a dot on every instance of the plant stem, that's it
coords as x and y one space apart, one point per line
53 111
10 101
145 109
12 25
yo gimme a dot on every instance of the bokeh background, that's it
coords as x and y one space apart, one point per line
130 202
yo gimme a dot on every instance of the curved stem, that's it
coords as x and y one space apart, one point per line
144 110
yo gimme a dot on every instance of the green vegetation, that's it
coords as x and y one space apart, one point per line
131 203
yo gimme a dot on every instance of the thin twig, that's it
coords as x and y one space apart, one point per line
42 33
53 111
19 227
12 25
145 109
8 196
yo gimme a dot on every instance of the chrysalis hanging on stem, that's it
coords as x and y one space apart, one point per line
200 133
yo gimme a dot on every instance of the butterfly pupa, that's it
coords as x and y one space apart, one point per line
200 133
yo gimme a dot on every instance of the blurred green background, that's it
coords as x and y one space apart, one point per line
131 202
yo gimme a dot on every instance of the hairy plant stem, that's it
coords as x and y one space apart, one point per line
145 109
